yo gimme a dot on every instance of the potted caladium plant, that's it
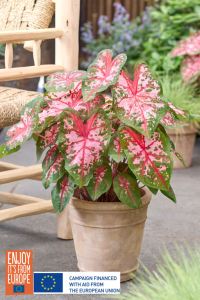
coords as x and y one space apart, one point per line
103 150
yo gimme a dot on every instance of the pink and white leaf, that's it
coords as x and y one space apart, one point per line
115 148
100 182
102 73
189 46
170 121
190 69
62 192
108 106
53 167
127 190
64 81
139 103
23 130
50 135
83 144
86 109
150 160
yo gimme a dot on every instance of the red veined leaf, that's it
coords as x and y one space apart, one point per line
53 167
62 192
180 157
100 182
115 148
114 121
127 190
170 121
124 168
190 69
23 130
50 137
189 46
86 109
104 71
64 81
139 103
150 160
3 151
169 194
181 113
83 145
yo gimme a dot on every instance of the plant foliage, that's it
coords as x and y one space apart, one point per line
101 146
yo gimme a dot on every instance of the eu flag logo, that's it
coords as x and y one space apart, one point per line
48 282
18 288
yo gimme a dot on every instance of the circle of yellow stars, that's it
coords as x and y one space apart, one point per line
43 285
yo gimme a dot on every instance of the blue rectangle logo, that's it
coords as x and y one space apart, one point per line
18 288
48 282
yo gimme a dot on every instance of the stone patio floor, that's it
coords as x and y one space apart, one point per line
167 224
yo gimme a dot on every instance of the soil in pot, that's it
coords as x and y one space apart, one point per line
108 235
184 140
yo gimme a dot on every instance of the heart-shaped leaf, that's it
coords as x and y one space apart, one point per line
50 135
83 144
190 68
3 151
115 148
86 109
127 190
64 81
139 103
150 160
102 73
62 192
53 167
100 182
23 130
189 46
108 106
182 114
153 190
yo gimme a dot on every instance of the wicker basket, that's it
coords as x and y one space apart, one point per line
25 14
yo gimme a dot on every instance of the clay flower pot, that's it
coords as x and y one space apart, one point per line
184 140
108 236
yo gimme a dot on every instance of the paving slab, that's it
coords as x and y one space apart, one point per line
167 224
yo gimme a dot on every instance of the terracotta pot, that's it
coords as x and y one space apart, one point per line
108 236
64 229
184 140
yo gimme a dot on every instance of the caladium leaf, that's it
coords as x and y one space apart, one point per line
172 146
23 130
100 182
64 81
127 190
62 192
86 109
50 135
108 106
139 103
150 160
190 69
189 46
53 167
169 194
124 168
102 73
83 144
180 158
170 121
3 151
115 148
153 190
183 115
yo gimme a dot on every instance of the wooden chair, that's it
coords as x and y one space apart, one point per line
66 34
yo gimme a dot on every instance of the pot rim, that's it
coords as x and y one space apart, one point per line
101 206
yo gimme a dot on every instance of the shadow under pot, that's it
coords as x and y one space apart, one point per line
108 235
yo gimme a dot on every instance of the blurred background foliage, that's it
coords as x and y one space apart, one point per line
150 37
